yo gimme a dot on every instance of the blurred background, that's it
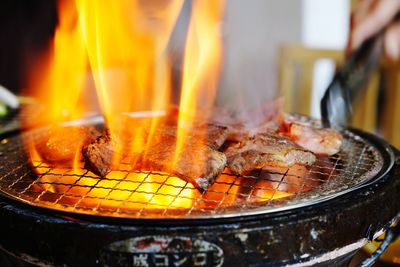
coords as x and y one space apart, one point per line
253 34
276 47
257 31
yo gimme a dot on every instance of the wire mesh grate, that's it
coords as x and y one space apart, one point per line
147 194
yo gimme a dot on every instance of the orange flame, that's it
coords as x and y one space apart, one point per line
127 44
202 62
60 81
124 46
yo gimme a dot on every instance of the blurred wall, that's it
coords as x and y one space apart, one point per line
325 24
254 30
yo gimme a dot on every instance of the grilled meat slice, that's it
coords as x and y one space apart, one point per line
263 150
216 135
98 155
198 164
60 144
321 141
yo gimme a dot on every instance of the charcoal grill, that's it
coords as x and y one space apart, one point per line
61 215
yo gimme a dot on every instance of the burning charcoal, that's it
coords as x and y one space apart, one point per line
60 144
99 154
266 149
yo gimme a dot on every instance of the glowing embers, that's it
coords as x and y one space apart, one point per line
151 194
120 190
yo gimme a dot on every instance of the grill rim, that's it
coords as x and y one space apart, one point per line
388 161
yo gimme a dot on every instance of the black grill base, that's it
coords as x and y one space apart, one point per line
260 241
9 260
6 259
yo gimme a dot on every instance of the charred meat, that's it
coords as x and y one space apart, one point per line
198 163
61 144
98 155
263 150
217 135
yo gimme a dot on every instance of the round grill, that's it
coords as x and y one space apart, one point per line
152 195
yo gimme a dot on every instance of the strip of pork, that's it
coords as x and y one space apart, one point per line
263 150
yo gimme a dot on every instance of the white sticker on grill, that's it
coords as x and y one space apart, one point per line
162 251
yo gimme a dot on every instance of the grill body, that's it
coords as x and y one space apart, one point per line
324 234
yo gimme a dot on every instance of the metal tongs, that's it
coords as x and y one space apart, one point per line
349 82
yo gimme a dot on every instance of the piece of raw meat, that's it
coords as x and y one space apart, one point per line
321 141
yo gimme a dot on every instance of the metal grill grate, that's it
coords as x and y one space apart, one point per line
130 194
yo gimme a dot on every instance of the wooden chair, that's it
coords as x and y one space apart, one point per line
296 64
390 120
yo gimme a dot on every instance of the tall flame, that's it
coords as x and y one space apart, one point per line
127 45
60 79
202 62
124 46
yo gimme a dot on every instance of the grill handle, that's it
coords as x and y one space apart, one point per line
391 235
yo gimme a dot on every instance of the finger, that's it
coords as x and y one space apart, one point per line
392 42
381 13
362 9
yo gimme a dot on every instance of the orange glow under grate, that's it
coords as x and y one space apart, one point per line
130 194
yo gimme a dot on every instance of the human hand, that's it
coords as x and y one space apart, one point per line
371 16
